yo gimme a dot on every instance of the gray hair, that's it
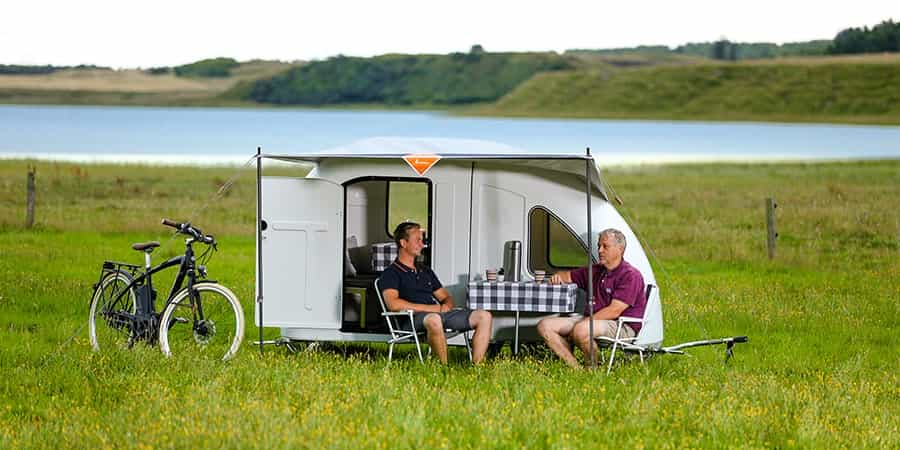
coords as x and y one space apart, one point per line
616 236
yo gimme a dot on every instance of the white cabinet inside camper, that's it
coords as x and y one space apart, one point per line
302 243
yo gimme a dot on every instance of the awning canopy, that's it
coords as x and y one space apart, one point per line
568 164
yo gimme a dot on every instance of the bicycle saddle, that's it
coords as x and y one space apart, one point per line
144 246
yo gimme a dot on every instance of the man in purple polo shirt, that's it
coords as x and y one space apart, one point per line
618 291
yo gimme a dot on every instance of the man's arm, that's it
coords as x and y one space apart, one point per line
612 311
444 298
628 288
394 303
561 277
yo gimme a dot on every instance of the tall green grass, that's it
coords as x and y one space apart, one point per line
820 369
851 92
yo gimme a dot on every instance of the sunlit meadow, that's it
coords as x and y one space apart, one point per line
820 370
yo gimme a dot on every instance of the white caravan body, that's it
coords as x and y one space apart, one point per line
318 232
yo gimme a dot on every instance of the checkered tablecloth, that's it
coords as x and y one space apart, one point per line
383 255
522 296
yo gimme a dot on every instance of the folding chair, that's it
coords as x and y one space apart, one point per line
649 325
401 336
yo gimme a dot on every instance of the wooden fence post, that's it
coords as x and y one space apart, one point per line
29 213
770 225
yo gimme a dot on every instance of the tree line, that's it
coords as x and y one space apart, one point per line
884 37
16 69
213 67
881 38
454 79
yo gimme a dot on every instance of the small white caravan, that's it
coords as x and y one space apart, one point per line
323 238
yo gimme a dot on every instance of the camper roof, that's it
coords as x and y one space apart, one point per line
392 147
459 149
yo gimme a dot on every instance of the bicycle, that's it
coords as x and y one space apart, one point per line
200 315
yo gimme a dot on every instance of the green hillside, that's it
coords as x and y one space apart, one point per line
578 84
829 90
457 78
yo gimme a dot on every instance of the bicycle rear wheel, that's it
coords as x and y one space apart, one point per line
112 307
208 323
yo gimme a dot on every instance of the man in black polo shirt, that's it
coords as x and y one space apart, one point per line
406 286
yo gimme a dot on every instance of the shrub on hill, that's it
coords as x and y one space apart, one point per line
457 78
158 70
207 68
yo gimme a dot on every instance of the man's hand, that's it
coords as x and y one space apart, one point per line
562 277
394 303
444 299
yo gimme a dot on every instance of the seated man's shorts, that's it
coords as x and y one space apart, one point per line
456 319
604 327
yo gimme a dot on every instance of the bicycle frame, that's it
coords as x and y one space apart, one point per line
142 283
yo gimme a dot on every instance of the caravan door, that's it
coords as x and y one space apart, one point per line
301 252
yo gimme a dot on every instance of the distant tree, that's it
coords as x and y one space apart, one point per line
884 37
88 67
475 53
158 70
724 50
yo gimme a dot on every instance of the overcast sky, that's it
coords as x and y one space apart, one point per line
164 33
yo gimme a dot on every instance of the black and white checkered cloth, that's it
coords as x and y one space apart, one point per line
522 296
383 255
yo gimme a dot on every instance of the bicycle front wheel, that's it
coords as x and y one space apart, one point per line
206 321
112 307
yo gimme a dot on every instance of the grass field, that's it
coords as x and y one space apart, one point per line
821 368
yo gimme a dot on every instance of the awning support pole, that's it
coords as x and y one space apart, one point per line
590 269
259 273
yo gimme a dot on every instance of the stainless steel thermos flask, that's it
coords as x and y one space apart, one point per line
512 260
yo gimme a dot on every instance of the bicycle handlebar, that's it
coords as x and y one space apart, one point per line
186 228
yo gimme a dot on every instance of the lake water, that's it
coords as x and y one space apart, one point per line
217 135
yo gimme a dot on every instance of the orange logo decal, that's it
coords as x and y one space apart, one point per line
421 163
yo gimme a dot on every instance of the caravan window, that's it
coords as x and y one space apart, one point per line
552 244
407 201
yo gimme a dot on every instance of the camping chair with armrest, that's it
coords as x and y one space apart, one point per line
646 340
401 336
